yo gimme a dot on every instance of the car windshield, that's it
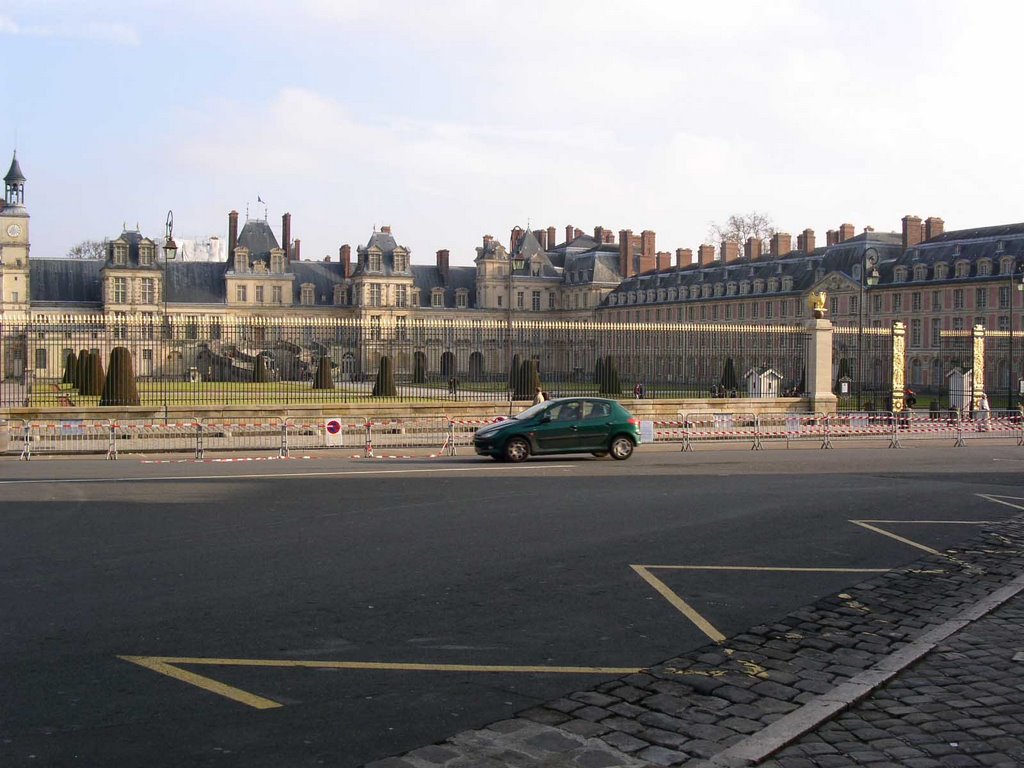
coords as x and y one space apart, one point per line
533 410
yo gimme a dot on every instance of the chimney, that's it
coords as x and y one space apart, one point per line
706 255
684 257
286 235
552 234
345 257
542 238
442 264
752 248
609 237
664 261
846 231
782 243
577 232
232 233
513 241
805 242
831 238
913 231
933 227
730 251
648 252
297 256
599 235
327 258
626 253
385 229
487 241
569 229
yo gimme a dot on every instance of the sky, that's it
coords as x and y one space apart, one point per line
454 119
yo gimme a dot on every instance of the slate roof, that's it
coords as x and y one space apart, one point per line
196 282
323 275
426 278
259 238
14 174
64 281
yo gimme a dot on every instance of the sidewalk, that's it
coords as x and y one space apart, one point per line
918 667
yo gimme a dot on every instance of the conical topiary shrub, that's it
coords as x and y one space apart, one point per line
419 369
728 381
323 379
527 381
70 368
513 373
599 374
610 384
119 387
92 380
260 374
80 369
384 386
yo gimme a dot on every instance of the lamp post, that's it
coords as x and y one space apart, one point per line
170 252
870 262
1011 273
515 261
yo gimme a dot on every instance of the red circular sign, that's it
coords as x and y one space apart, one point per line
334 426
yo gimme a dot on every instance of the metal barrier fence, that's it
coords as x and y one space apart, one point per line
444 435
187 362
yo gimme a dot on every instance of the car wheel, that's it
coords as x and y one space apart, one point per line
516 449
600 454
621 448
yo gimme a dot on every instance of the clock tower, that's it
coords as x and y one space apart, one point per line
14 244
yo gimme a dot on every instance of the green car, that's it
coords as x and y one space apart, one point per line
564 425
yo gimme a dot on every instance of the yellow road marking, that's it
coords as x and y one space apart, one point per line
680 605
168 665
901 539
761 568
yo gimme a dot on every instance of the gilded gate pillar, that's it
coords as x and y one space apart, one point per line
978 356
899 365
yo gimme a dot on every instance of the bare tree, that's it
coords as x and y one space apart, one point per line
740 226
88 249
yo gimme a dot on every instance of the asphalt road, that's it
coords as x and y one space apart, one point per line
318 566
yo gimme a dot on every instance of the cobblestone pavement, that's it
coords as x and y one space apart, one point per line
914 668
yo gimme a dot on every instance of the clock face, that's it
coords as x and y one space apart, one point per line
13 230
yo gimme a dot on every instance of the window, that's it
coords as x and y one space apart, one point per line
535 301
373 262
936 332
501 300
1004 297
915 301
461 299
402 296
958 323
1003 323
876 304
401 262
275 294
915 332
520 299
714 312
551 300
120 254
148 290
936 299
897 302
981 298
770 305
120 290
276 262
958 298
963 269
375 295
241 261
259 294
755 311
704 312
40 357
833 305
146 255
241 295
854 305
984 268
437 298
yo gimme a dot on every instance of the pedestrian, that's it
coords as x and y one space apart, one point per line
539 397
983 412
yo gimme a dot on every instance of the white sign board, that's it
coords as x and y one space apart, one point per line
333 432
646 431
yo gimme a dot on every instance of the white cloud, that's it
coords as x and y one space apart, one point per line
102 31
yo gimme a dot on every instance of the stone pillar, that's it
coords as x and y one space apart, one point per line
819 367
899 365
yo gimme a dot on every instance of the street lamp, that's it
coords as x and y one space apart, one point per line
170 252
1009 372
515 262
870 262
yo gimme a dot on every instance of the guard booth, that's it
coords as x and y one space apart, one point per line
763 382
960 385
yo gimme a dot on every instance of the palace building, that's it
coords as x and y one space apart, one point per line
930 279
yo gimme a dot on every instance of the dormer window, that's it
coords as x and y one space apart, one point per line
307 294
899 275
963 269
276 262
941 270
984 267
920 272
694 291
773 285
731 288
340 296
373 262
759 286
437 297
719 289
744 287
241 260
705 290
120 254
146 257
401 261
787 283
1006 265
461 298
